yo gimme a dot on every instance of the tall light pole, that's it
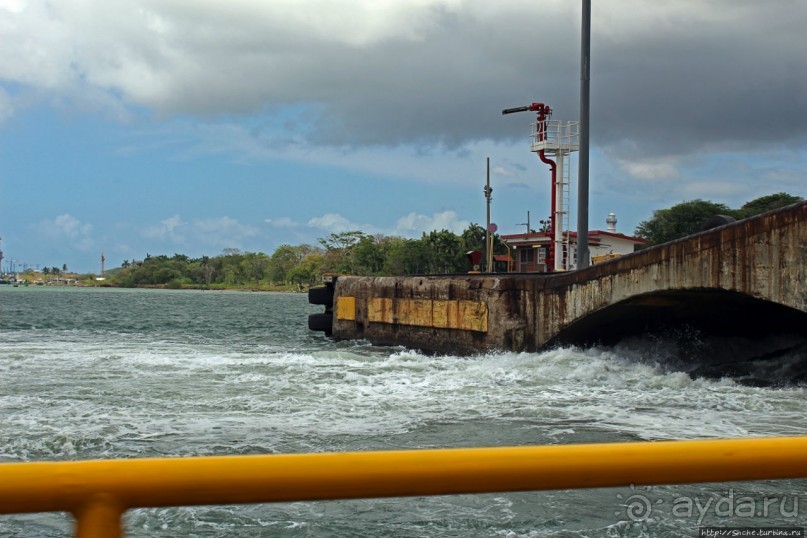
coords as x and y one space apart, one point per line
488 244
582 174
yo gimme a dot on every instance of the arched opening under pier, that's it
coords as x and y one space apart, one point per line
706 332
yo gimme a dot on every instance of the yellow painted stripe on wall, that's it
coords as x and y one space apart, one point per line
443 314
379 310
346 308
473 316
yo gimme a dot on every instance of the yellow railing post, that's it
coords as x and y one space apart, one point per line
99 517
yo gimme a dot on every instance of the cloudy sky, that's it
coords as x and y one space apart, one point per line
191 126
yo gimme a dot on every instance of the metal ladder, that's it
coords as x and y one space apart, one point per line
564 139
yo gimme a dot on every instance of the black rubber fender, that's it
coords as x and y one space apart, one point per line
321 322
322 295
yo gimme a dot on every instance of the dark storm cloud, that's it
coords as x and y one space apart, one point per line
722 76
737 81
452 86
667 80
724 82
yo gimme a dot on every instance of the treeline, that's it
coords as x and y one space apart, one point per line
686 218
298 267
356 253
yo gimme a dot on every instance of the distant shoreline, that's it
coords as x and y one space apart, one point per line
85 284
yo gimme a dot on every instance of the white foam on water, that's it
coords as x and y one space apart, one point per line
166 389
83 394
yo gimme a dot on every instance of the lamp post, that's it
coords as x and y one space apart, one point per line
582 173
488 248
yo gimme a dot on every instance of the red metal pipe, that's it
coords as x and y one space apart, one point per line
544 112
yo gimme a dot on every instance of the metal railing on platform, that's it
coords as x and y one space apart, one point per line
98 492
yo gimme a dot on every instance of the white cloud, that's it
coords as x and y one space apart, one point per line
651 169
69 228
168 229
13 6
282 222
412 225
333 222
415 224
503 171
221 232
40 55
175 54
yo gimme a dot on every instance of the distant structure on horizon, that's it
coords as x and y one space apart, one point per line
611 222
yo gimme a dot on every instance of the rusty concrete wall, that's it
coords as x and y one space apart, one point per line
763 258
434 293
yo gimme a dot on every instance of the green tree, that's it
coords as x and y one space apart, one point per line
339 251
473 238
767 203
405 257
255 265
207 270
284 259
445 253
678 221
341 240
307 272
368 256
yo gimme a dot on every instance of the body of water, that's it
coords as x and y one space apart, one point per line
108 373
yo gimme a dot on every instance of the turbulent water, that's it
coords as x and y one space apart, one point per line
131 373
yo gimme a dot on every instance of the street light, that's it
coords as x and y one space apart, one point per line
582 172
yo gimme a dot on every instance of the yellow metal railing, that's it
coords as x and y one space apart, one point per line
98 492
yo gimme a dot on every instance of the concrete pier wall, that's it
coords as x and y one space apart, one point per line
746 276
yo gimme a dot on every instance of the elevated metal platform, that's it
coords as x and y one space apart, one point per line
559 137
